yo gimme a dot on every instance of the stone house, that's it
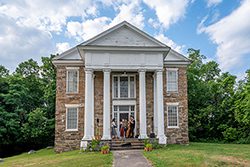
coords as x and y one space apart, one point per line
119 73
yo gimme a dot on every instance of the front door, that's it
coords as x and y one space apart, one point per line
123 112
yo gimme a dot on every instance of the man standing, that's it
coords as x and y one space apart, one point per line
132 125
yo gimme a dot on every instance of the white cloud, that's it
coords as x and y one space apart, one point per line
131 12
168 12
47 16
231 34
213 2
88 28
19 43
61 47
170 43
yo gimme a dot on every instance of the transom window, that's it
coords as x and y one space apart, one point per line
173 119
124 86
172 80
72 80
72 119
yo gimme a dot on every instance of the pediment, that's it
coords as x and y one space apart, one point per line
71 54
174 56
124 34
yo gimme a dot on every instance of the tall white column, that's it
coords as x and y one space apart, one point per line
142 97
93 103
106 105
155 107
88 104
160 111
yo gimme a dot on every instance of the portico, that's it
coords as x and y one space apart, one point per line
110 100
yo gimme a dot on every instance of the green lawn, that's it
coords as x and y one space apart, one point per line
201 154
50 159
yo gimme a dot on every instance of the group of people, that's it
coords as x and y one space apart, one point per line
126 128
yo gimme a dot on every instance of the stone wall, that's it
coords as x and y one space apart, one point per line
177 135
68 140
98 101
150 101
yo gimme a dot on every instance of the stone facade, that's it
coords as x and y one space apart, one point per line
177 135
68 140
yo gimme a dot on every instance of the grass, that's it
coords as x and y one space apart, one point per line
47 157
201 154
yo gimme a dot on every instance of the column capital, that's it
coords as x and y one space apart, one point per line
141 70
88 70
106 70
159 70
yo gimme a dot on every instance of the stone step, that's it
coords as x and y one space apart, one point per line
128 144
127 148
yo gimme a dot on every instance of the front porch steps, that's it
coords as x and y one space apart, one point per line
126 144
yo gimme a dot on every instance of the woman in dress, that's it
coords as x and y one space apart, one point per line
122 126
128 134
113 129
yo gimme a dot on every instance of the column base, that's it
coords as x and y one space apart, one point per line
87 138
162 139
143 136
106 137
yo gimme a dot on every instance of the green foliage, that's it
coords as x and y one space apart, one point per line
27 100
105 148
149 145
218 109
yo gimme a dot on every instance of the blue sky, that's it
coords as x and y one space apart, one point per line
35 28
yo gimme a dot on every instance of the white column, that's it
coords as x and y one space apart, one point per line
155 107
106 105
88 105
160 111
142 97
93 111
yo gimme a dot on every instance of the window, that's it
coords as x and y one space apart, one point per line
72 119
72 80
173 119
124 86
172 80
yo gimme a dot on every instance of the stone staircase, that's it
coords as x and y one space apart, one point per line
126 144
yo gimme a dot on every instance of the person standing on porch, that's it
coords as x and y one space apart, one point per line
122 126
113 129
132 125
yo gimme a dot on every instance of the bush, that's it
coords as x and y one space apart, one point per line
230 134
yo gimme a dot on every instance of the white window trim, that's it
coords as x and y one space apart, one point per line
177 79
177 111
77 113
67 75
113 88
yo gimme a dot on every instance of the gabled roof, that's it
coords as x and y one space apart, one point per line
127 25
125 33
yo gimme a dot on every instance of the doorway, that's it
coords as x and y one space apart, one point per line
123 112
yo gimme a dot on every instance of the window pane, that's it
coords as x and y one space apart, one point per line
132 108
72 81
72 118
172 84
132 114
123 86
115 116
115 108
132 87
172 116
123 108
116 87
